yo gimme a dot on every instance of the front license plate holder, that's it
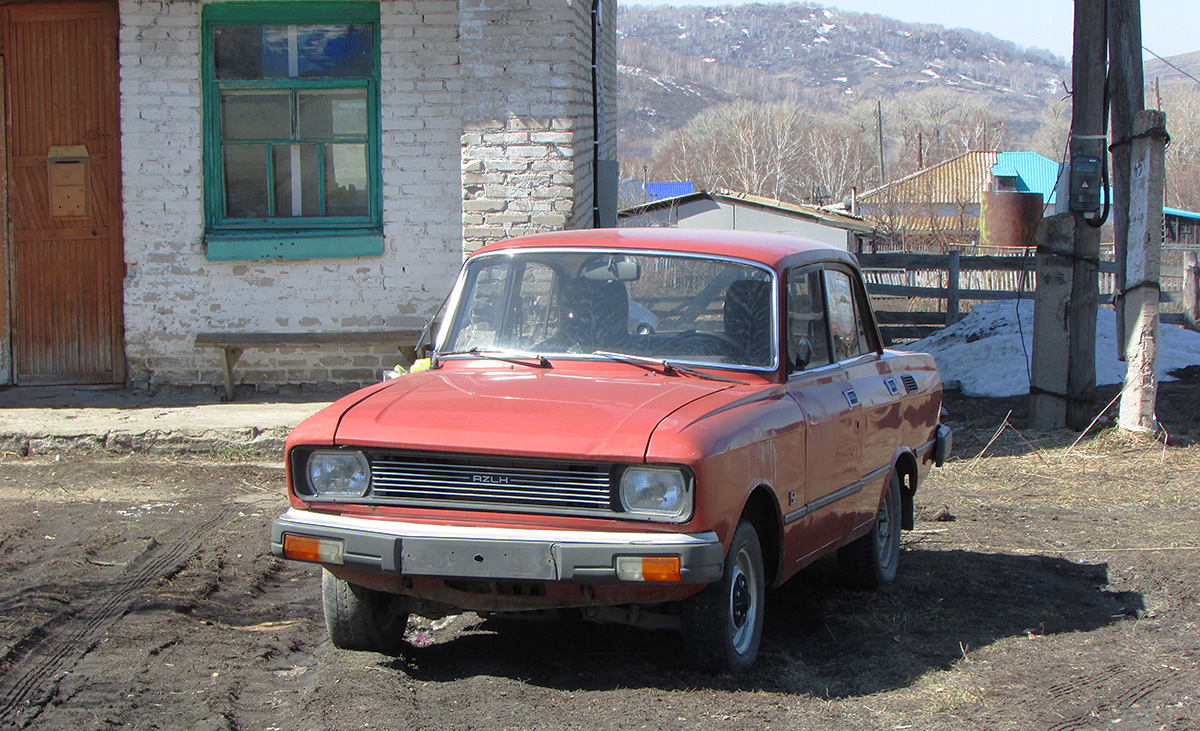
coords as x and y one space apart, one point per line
476 559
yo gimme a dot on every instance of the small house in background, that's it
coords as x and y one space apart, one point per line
989 198
741 211
1182 228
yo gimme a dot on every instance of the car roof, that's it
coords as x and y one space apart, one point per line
775 250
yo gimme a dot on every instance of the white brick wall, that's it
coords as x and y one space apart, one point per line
173 292
487 103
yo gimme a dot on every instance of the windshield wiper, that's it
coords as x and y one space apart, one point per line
509 356
668 367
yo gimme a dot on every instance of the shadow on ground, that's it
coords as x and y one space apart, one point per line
820 638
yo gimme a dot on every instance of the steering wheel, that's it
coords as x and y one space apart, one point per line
730 348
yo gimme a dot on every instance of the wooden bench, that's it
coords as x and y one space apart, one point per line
233 344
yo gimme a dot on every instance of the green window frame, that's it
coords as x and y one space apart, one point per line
291 130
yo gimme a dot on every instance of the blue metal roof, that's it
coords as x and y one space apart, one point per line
1167 211
1034 173
661 191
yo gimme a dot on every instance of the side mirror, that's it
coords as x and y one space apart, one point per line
802 352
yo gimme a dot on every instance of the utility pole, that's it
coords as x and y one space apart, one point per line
1139 138
1089 63
1127 99
879 127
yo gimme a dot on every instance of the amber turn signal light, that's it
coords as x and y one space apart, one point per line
320 550
648 568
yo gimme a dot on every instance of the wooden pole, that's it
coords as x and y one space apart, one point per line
1055 238
1127 99
879 126
1143 267
1087 139
952 297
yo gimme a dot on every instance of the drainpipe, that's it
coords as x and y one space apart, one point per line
596 113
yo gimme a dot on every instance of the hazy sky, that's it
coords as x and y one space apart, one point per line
1169 27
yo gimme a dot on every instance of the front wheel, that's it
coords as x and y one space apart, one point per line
359 618
722 625
870 561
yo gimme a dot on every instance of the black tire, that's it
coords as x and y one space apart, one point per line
722 625
359 618
871 561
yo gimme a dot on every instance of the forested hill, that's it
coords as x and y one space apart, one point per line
674 62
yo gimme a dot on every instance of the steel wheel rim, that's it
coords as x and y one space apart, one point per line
885 531
743 602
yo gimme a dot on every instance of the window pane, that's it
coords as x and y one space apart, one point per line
237 51
245 181
346 180
292 51
335 50
297 188
806 317
842 316
332 114
256 115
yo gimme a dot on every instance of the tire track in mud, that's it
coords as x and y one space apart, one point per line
1116 689
32 680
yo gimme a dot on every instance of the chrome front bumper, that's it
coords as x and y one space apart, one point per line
419 549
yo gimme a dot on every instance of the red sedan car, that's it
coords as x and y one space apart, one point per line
648 425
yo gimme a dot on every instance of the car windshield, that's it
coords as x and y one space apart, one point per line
571 303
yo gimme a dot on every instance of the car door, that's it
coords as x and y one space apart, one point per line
833 415
857 352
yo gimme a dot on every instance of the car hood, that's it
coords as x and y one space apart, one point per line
538 413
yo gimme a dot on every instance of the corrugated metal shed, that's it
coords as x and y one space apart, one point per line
946 197
1034 173
962 178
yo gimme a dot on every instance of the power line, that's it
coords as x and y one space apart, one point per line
1160 58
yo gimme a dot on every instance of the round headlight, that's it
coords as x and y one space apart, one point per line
659 492
342 474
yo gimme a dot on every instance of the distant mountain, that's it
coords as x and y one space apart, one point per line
674 62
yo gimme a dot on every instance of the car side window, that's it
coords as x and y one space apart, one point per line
808 325
850 336
842 317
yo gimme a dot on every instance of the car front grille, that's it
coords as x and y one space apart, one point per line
497 484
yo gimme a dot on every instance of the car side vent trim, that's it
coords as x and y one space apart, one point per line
910 383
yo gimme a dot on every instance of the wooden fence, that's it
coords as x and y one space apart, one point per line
915 295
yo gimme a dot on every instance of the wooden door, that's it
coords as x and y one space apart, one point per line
65 253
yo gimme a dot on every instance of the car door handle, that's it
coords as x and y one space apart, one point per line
851 397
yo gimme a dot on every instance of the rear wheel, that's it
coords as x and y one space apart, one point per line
722 625
871 561
359 618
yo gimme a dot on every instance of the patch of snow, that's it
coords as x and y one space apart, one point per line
745 31
825 28
842 79
988 352
931 72
821 39
681 36
709 60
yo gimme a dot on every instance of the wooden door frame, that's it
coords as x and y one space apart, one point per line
7 365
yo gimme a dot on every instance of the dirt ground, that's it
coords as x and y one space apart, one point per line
1047 586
